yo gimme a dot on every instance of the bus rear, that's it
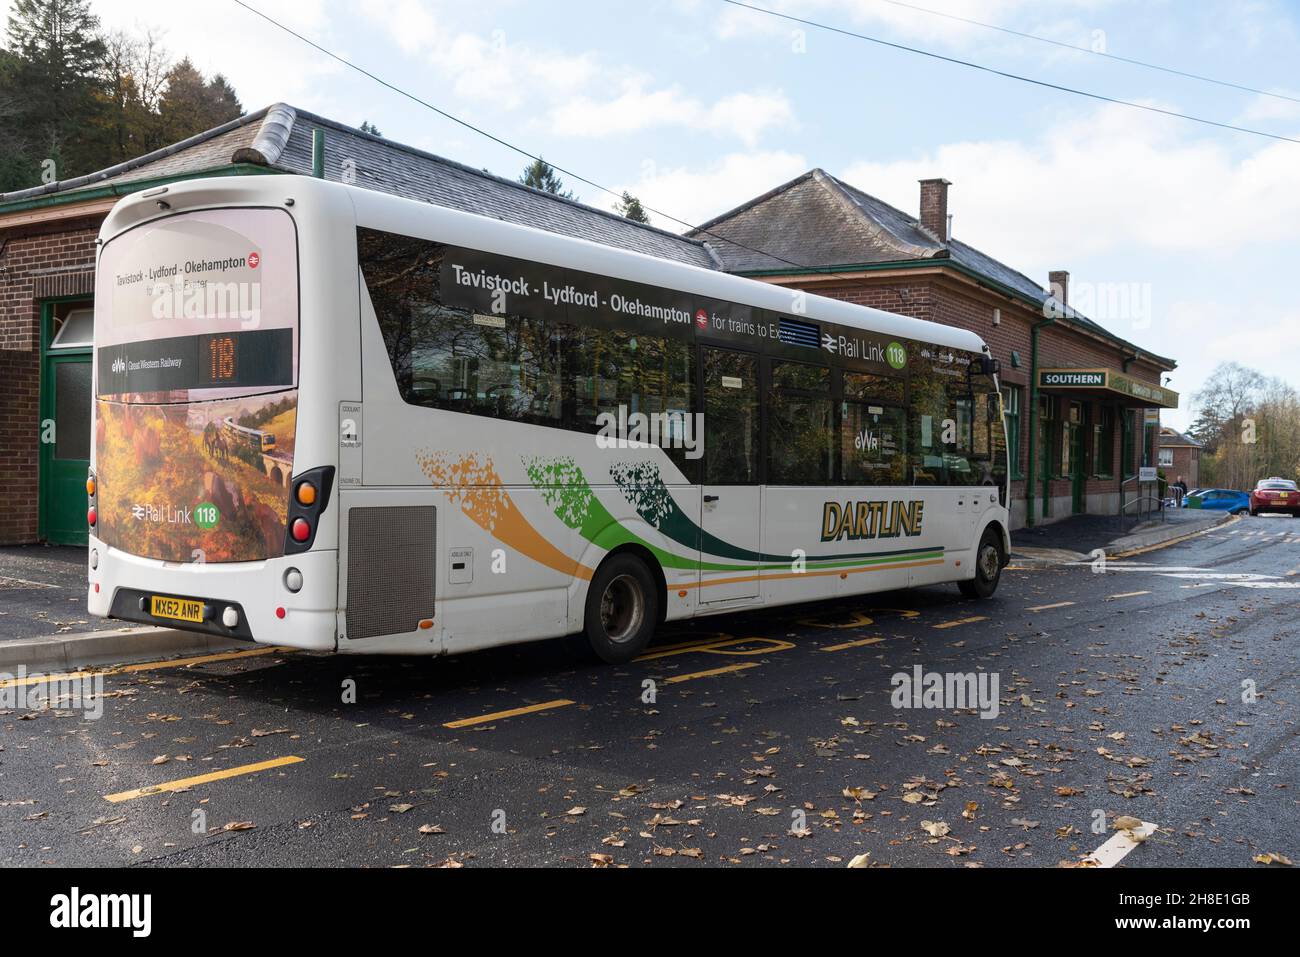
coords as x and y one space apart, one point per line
204 512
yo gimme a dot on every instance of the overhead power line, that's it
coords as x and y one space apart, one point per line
1061 88
1091 52
508 145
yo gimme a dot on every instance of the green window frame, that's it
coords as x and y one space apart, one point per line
1103 443
1011 415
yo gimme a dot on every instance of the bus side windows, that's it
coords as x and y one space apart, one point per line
800 426
873 428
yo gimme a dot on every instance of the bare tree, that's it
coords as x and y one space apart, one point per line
1249 426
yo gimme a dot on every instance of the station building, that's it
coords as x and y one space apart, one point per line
1082 404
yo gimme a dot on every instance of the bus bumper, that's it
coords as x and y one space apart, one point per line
246 601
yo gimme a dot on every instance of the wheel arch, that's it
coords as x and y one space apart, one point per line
1004 536
652 564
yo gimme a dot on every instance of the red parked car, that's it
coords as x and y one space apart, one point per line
1275 495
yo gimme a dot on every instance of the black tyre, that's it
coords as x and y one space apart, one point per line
622 609
988 568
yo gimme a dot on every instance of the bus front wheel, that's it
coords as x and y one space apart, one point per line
622 609
988 568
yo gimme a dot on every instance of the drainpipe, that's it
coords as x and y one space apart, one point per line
318 153
1033 423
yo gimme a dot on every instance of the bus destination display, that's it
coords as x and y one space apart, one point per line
257 358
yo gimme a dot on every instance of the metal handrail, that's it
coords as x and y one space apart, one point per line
1124 505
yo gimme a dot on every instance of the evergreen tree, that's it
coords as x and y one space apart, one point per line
57 55
539 174
368 127
192 104
630 207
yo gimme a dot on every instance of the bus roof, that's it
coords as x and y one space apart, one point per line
424 220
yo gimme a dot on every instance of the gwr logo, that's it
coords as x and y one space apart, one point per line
119 365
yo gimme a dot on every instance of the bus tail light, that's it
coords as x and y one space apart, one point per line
91 515
308 500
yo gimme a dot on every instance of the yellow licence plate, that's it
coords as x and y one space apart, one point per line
178 608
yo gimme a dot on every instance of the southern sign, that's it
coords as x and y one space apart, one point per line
1108 380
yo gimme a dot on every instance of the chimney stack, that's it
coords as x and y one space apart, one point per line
934 208
1058 283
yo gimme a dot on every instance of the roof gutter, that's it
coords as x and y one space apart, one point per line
1009 291
117 189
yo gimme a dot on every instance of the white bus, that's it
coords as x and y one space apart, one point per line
488 434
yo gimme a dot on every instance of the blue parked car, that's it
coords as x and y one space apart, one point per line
1219 499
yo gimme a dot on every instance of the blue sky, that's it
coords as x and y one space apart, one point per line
696 106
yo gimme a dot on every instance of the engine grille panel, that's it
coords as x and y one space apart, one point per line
392 569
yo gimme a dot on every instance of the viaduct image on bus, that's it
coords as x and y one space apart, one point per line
486 434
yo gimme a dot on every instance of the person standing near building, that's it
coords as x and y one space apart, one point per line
1179 488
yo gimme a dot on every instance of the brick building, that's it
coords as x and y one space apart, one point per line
1080 417
1180 457
1082 404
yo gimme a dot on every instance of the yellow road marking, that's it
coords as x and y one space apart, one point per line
1128 594
716 648
960 621
726 669
854 644
147 666
1175 541
183 783
1059 604
512 713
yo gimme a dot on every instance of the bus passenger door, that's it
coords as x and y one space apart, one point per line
731 500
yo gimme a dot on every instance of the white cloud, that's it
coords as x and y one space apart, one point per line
902 20
411 24
263 63
488 67
1115 181
1119 197
496 71
696 195
741 115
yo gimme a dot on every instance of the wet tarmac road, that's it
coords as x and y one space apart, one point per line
1163 688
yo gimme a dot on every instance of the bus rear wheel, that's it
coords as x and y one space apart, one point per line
988 568
622 609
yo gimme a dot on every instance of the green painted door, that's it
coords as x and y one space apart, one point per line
67 395
1077 476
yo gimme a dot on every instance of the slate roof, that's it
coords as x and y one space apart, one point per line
818 221
1172 438
279 137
